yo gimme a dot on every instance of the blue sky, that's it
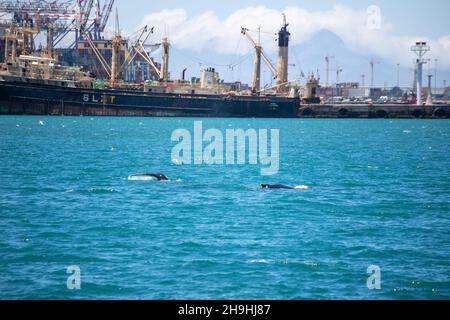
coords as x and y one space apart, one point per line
210 31
408 17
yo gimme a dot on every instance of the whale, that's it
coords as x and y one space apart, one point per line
281 186
148 177
277 186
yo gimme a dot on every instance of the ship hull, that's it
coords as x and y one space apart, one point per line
37 99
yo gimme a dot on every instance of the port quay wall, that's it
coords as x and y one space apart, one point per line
377 111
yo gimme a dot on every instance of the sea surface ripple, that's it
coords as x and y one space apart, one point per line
375 192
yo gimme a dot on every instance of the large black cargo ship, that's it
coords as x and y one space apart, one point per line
48 99
40 84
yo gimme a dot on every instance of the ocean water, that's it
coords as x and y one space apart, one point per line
375 192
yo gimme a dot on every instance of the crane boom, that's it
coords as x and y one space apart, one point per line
87 8
138 49
263 54
105 14
97 53
50 9
146 57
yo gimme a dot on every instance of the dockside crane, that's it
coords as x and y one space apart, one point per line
339 70
106 12
97 53
87 9
93 24
138 49
259 53
97 19
281 71
29 18
112 70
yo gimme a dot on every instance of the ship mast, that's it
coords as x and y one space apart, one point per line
164 74
50 36
259 54
256 82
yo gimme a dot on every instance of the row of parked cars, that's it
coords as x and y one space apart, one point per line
381 100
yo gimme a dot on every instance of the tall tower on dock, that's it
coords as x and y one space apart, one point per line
283 56
420 49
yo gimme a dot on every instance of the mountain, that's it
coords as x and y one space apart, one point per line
306 57
311 56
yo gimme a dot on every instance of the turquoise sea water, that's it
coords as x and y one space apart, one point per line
378 194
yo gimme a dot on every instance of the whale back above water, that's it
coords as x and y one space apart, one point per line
276 186
283 187
148 177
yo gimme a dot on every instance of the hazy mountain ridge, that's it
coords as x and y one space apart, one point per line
306 57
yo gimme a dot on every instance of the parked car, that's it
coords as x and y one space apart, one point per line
383 99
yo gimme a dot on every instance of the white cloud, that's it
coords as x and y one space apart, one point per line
208 31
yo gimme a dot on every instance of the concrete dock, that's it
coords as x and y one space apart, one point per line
399 111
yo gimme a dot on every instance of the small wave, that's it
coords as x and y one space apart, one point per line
407 131
101 190
261 261
311 264
41 123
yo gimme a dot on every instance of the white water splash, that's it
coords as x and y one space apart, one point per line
177 162
141 177
262 261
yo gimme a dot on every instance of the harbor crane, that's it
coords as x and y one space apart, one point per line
138 48
104 16
280 72
94 24
97 53
259 53
339 70
112 70
27 18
